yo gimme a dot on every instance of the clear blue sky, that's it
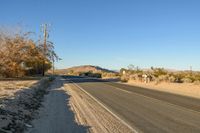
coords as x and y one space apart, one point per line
114 33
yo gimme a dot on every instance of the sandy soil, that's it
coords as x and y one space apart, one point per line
56 115
18 102
186 89
10 88
88 112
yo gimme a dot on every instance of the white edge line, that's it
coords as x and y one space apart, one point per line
134 130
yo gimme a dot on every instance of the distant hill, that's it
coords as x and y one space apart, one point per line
85 68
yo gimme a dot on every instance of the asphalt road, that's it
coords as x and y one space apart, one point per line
143 109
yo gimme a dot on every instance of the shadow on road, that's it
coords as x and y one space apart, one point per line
78 79
56 115
65 115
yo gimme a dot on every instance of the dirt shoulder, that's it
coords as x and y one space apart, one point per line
19 101
186 89
55 115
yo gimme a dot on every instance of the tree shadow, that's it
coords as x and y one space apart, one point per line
79 79
56 115
67 114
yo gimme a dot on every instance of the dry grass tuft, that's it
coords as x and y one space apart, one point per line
9 88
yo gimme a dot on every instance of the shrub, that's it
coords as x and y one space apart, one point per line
159 71
109 74
133 77
163 78
186 80
124 78
197 82
172 79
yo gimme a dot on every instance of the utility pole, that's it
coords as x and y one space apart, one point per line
44 47
191 70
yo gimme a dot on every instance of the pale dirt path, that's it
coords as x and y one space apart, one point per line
69 110
56 116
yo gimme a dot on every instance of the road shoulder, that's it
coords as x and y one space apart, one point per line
56 115
89 112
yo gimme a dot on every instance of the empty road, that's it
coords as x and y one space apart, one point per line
145 110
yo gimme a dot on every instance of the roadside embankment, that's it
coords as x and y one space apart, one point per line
19 101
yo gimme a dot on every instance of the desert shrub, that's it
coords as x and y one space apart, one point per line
133 77
90 74
172 79
71 72
163 78
122 70
96 75
160 75
186 80
196 82
137 77
159 71
124 78
131 71
178 78
110 75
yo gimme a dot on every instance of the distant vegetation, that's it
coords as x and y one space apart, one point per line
132 73
90 71
21 56
159 75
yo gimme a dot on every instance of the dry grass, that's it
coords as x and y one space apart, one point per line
9 88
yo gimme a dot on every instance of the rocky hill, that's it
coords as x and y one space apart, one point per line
88 68
85 68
